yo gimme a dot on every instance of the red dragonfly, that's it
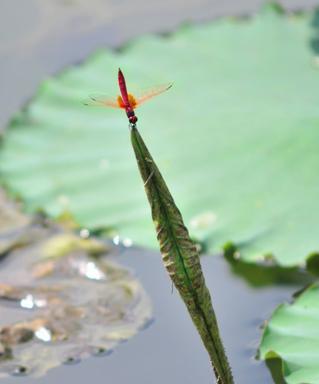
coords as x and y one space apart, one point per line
128 101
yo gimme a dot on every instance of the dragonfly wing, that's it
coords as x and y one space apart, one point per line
103 101
147 94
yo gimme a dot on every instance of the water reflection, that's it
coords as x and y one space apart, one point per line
43 334
30 302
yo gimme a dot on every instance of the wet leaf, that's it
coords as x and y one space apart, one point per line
291 336
62 299
236 138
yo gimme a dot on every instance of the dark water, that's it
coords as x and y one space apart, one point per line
38 38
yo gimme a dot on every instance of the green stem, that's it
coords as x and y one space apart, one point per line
181 258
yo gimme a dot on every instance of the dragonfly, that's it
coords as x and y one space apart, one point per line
128 101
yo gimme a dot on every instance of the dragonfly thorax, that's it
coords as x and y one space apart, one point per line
131 100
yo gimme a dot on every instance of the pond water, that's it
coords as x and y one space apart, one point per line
169 349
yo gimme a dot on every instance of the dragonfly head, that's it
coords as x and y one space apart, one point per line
131 116
132 119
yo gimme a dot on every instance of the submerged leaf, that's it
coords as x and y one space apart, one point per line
65 243
236 137
291 336
63 299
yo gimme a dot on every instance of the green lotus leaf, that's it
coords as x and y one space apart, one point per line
236 138
292 337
